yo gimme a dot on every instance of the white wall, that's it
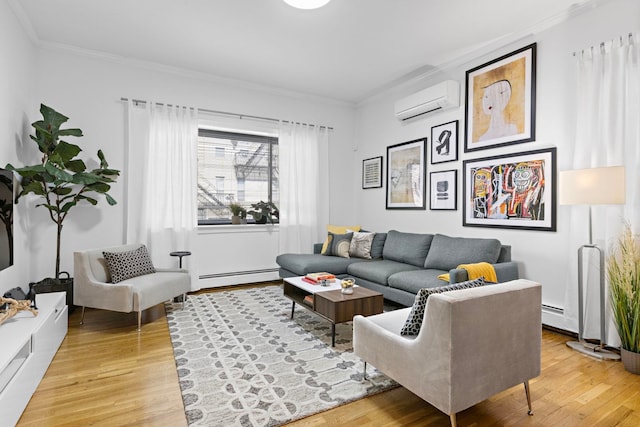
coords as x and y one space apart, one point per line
88 89
16 83
542 256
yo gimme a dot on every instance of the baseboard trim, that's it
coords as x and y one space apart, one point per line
560 331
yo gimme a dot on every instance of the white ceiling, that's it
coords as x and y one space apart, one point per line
347 50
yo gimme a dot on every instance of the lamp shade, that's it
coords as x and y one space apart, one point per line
595 186
306 4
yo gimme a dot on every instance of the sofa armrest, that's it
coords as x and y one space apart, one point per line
171 270
89 292
505 271
370 340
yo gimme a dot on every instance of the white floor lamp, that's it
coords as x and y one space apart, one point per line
595 186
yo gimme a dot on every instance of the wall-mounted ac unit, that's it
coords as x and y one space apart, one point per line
442 96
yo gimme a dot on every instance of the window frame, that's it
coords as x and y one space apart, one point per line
245 136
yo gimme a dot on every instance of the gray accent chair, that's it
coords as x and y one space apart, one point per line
93 287
473 343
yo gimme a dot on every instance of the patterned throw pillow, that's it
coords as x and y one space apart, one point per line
361 245
128 264
338 229
414 321
338 245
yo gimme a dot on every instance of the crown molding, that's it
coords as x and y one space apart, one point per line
191 74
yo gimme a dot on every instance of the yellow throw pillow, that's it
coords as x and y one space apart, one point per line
338 229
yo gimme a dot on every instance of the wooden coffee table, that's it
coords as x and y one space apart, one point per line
330 303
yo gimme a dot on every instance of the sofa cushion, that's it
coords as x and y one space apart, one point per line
338 245
409 248
361 245
338 229
301 264
447 252
377 246
414 321
378 271
128 264
413 281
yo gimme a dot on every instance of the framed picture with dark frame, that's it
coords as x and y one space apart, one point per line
443 194
500 101
444 142
372 172
406 169
511 191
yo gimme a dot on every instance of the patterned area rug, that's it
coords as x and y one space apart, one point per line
242 361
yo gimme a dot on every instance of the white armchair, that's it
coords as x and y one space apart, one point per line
473 343
93 287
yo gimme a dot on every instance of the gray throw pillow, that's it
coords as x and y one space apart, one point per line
377 246
449 252
361 245
128 264
414 321
338 244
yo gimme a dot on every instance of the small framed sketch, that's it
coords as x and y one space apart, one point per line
406 171
444 142
443 193
500 103
372 172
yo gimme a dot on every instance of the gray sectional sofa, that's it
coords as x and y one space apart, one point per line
403 263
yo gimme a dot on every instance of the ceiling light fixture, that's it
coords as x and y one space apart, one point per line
306 4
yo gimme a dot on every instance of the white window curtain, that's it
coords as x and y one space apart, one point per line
607 134
304 186
161 184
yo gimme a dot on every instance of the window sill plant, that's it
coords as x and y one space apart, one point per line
264 211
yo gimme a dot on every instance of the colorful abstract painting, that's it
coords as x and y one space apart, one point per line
511 191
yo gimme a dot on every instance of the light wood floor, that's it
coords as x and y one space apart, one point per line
106 374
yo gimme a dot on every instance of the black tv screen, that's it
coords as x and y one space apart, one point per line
6 215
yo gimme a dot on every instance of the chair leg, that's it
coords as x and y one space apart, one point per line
82 316
528 393
139 319
364 372
452 417
184 298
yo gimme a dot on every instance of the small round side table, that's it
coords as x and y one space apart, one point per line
180 254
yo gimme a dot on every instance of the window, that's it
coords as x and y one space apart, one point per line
234 168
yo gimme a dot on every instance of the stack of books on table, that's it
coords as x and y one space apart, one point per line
317 278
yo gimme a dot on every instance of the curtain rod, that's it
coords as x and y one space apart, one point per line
224 113
630 37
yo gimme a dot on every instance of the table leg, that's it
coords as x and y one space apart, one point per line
293 306
333 334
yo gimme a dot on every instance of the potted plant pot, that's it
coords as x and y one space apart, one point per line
630 361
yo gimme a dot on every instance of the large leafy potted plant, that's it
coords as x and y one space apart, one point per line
623 271
61 179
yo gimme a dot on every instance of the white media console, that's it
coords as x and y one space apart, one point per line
28 346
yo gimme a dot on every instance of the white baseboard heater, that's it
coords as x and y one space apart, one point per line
237 273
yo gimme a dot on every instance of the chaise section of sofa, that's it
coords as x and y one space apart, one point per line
403 263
